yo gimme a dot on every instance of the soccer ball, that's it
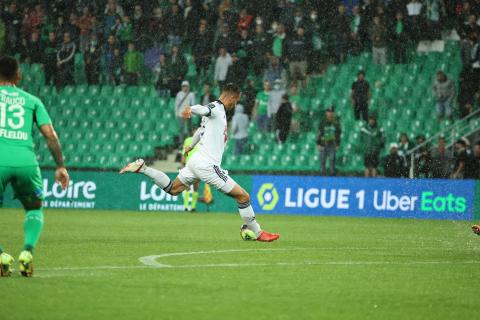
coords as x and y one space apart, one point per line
247 234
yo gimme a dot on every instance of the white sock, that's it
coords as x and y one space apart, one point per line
159 178
248 216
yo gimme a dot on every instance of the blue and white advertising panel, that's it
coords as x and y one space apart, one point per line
387 198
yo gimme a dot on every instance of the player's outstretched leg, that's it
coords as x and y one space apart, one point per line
6 262
248 216
159 178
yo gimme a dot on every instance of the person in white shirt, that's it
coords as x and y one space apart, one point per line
183 99
204 165
240 123
224 61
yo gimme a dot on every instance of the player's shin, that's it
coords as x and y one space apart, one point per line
32 228
248 216
194 199
159 178
186 199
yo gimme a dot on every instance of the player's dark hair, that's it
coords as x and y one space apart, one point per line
8 68
231 89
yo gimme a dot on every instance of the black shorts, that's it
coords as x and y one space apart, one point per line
371 160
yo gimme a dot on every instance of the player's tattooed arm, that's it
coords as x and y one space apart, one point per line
61 175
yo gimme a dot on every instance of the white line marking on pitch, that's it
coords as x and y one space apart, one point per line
151 262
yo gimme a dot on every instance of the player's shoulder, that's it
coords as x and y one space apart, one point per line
26 95
216 105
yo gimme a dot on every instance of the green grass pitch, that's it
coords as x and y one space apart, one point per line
87 267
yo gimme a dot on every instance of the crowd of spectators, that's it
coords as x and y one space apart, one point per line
279 41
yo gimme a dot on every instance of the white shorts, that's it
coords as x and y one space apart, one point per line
201 168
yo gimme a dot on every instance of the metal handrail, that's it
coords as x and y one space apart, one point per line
438 134
451 129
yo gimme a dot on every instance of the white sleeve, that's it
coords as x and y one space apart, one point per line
196 137
200 110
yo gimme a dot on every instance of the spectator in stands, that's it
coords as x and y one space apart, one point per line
157 28
262 44
469 27
108 58
378 36
360 95
191 16
279 41
13 22
249 95
245 20
132 65
399 39
444 93
297 49
240 124
34 49
207 96
92 57
3 29
441 160
372 140
342 34
404 146
315 33
224 61
283 119
65 62
225 40
261 106
435 10
175 24
246 50
275 71
139 23
422 158
84 24
49 58
125 31
328 141
178 69
357 31
161 76
476 161
415 17
237 71
464 161
183 99
468 83
393 163
274 102
202 49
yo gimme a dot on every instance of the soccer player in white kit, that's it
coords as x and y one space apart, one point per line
205 163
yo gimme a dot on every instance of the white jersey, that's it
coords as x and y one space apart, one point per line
214 133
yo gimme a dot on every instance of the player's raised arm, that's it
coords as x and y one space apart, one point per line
61 174
198 109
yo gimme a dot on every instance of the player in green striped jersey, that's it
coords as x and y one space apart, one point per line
19 110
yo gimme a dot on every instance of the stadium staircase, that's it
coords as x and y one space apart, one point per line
103 126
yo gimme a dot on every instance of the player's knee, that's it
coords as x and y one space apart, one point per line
32 205
244 197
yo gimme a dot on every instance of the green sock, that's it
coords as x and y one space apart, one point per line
32 228
186 198
194 199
